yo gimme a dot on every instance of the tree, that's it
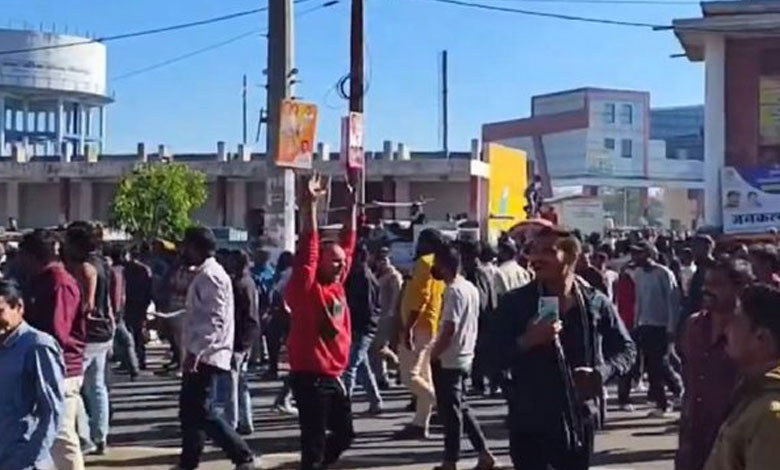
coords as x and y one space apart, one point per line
156 201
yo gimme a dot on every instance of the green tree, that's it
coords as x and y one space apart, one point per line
157 200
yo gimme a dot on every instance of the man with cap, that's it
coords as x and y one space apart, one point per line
657 312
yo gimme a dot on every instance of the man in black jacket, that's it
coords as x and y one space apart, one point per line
363 299
233 391
561 340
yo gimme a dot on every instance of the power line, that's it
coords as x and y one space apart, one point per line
611 2
213 46
146 32
773 31
559 16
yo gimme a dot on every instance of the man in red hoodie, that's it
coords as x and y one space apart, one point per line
320 331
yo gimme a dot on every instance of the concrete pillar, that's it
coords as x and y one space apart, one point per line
714 126
289 210
25 123
85 200
388 194
475 153
2 125
221 153
237 206
81 128
387 150
323 151
102 130
59 123
403 152
88 121
141 153
244 153
12 199
402 194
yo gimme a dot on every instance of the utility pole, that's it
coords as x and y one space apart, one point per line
281 181
356 78
445 105
243 112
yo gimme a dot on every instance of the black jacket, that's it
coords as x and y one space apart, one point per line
247 316
363 299
540 396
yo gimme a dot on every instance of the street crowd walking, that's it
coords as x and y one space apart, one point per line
546 322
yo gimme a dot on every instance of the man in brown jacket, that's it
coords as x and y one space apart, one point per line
748 439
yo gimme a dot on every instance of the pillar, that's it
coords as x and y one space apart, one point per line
714 126
237 209
85 200
59 123
12 199
81 128
323 151
388 194
25 123
2 125
402 194
102 130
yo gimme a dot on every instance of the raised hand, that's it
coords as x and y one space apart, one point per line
315 189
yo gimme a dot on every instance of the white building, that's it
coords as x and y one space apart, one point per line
592 139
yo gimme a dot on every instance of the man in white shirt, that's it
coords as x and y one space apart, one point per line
511 275
451 357
208 333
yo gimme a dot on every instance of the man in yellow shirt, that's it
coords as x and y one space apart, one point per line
420 311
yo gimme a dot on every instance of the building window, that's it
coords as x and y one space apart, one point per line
625 148
609 113
626 114
609 144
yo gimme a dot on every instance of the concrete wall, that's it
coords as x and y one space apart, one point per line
557 103
678 206
3 205
39 205
743 68
208 214
619 130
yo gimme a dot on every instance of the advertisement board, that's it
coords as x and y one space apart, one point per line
751 199
352 141
769 110
506 189
43 64
297 130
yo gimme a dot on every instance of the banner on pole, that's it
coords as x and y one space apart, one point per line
352 141
297 130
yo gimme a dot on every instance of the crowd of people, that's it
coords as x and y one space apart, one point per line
546 322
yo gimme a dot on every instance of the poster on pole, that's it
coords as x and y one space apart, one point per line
352 142
751 199
297 129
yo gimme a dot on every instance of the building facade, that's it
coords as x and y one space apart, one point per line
46 191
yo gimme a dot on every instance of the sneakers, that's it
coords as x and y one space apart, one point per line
627 407
286 409
658 413
411 432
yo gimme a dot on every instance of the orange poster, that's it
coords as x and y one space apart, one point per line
297 129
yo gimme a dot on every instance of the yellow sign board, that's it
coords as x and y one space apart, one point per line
506 189
297 130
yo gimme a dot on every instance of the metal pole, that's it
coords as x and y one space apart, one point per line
243 111
356 77
445 105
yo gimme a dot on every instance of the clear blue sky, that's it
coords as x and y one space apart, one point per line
497 62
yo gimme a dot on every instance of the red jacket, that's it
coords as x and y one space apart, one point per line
54 307
320 329
625 298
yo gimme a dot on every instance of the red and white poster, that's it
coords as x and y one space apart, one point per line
352 143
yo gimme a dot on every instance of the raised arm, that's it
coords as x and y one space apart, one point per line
307 252
348 236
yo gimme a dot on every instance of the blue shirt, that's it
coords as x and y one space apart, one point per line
32 379
264 279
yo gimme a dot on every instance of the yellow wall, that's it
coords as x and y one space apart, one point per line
508 181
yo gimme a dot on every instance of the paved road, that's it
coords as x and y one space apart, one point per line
145 435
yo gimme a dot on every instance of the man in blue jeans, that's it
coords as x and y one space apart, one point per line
232 390
363 299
